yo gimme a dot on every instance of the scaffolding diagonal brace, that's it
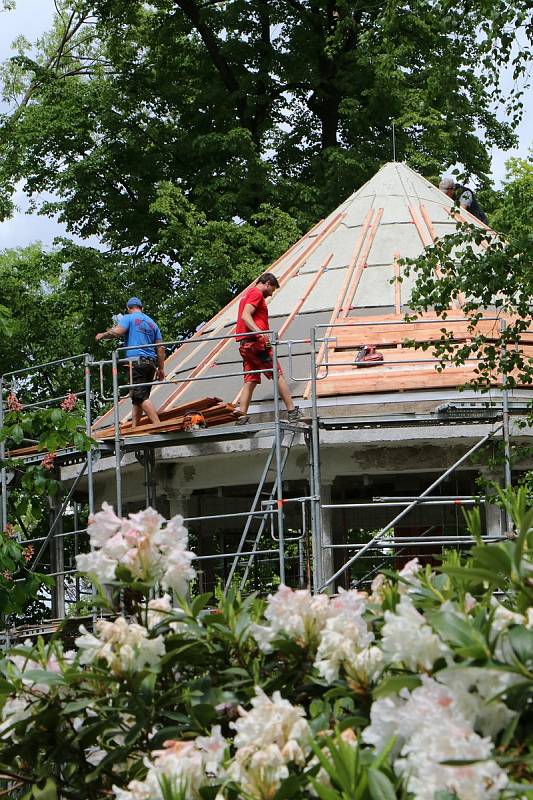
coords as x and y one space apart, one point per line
59 515
409 508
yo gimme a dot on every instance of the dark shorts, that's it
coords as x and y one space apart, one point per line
142 371
254 356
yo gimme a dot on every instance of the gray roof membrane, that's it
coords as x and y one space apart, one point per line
399 192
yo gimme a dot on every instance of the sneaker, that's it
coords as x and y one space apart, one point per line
295 415
244 420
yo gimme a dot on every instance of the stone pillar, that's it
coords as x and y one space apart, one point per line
327 533
493 519
494 515
178 500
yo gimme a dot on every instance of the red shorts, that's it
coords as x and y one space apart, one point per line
253 357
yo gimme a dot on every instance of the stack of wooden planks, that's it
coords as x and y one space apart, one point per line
403 368
214 411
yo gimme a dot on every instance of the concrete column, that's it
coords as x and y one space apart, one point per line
327 533
493 519
494 516
178 502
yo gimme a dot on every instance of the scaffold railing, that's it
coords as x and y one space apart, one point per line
270 513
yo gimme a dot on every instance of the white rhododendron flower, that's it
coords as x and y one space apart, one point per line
294 613
344 639
186 766
304 617
125 646
14 710
159 609
271 735
422 758
409 573
431 728
407 638
142 545
477 691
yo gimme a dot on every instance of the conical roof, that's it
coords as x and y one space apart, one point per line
341 268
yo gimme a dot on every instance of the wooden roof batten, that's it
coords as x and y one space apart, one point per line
345 269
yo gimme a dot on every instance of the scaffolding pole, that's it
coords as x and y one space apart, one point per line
411 505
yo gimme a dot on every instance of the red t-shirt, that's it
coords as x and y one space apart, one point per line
253 297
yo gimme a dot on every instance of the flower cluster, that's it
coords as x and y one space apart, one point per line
27 553
408 639
48 461
69 403
334 626
434 725
124 646
417 690
13 403
184 767
272 734
150 552
18 669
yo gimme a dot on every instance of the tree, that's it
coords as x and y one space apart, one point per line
493 273
287 103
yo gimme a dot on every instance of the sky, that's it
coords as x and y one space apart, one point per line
32 18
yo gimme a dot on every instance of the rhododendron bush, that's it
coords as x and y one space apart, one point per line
419 689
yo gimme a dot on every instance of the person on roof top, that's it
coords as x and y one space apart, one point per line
255 347
464 196
147 353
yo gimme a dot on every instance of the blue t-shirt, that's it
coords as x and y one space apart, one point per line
141 330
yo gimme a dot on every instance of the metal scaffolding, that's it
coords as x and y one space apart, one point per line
271 539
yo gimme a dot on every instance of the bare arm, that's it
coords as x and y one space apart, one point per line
160 361
113 333
247 318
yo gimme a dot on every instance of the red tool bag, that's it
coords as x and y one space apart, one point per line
368 356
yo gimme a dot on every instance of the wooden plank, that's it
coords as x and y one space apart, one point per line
368 381
356 335
343 292
196 405
282 279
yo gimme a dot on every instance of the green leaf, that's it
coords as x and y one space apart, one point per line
48 791
17 434
200 602
521 640
5 687
380 786
204 714
42 676
394 683
460 632
289 788
493 558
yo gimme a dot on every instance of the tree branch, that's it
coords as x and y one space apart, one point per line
192 12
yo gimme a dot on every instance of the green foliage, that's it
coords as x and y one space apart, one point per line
87 724
196 140
31 488
512 207
18 586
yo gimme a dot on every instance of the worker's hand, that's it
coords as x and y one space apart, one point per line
266 341
99 337
160 374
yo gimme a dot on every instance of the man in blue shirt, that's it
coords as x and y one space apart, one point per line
147 353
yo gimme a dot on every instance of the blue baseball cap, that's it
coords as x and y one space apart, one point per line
134 301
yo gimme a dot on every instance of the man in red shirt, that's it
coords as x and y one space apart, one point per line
255 348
